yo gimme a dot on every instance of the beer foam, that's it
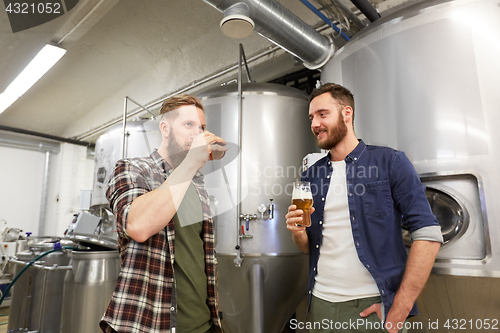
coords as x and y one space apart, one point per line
298 194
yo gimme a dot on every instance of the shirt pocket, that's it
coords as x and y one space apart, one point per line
377 199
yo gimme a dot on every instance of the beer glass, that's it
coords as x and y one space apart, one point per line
302 198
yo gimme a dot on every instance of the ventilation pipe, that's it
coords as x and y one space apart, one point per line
279 25
236 22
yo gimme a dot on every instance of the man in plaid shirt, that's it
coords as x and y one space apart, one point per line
167 281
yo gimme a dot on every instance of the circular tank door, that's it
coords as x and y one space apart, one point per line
450 213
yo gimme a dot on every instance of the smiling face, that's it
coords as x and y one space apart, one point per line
327 121
180 132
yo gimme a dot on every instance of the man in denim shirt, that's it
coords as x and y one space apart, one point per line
359 273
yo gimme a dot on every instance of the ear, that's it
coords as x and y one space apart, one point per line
164 129
347 113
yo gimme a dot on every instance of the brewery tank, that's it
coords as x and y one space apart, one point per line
426 81
88 287
141 137
262 274
65 291
37 294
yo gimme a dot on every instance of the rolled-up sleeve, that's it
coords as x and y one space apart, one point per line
127 183
431 234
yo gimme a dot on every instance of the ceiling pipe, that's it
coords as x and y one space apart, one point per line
367 9
186 88
46 136
324 18
353 17
190 86
280 26
26 142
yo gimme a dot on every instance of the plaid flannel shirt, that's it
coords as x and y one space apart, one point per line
144 296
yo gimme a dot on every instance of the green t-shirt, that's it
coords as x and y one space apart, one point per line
193 314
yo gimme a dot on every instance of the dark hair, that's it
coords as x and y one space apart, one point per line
339 93
175 102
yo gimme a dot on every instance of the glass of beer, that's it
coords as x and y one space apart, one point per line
302 198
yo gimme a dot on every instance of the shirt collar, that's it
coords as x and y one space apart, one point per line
357 152
353 155
160 162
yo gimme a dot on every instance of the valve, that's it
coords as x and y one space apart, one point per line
247 218
237 262
271 209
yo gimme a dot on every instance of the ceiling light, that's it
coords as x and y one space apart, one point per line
42 62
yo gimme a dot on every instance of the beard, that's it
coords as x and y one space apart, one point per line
335 134
176 151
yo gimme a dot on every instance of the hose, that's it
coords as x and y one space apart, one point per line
57 247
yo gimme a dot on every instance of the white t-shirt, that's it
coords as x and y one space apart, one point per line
341 276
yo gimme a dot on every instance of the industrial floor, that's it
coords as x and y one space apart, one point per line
4 318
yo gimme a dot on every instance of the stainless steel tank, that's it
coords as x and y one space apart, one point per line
142 136
262 275
87 289
37 294
426 81
65 291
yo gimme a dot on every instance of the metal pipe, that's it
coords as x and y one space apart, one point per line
27 142
367 9
350 14
283 28
142 107
124 126
242 52
238 259
324 18
192 85
42 267
45 193
46 136
42 310
257 299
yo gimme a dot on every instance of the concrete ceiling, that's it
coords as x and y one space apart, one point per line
144 49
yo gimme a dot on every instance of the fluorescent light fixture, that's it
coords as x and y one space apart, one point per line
42 62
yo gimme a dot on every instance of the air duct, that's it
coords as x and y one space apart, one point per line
236 23
280 26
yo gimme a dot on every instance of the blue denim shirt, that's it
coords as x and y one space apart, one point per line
384 193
